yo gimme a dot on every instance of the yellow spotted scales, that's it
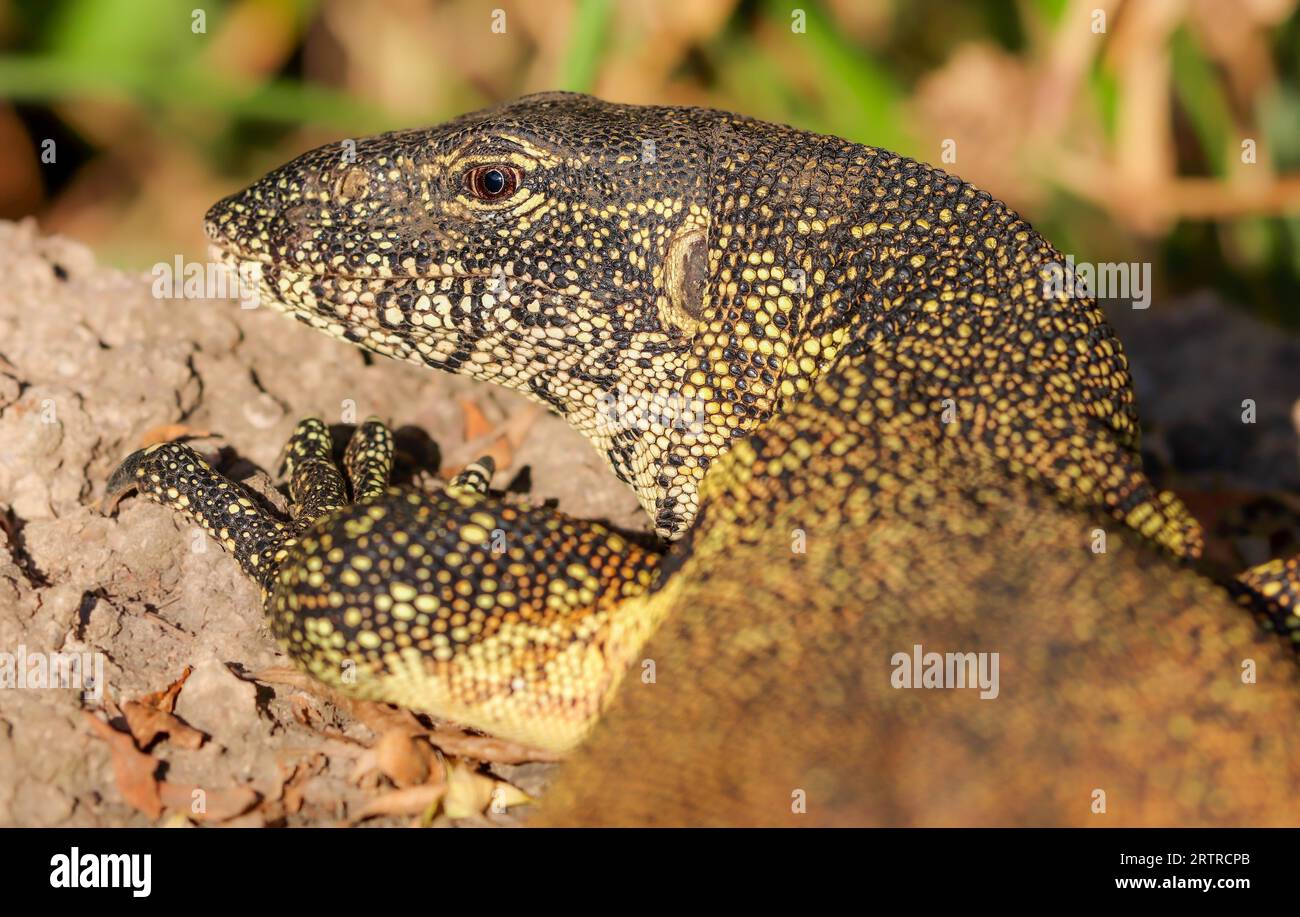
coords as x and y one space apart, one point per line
843 391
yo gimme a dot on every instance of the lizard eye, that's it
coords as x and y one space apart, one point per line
492 183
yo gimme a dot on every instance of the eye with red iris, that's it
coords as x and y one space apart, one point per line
492 183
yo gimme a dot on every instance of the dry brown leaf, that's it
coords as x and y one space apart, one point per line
405 759
382 718
209 805
306 714
517 428
254 819
413 800
304 711
501 452
133 770
165 700
291 791
463 744
379 718
295 678
476 422
148 723
168 432
510 435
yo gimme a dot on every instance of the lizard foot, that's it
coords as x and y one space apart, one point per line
176 476
517 620
1271 591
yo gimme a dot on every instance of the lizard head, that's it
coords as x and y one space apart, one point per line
557 245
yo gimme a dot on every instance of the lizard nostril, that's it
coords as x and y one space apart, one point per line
219 223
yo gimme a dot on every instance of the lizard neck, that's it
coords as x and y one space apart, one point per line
791 279
778 298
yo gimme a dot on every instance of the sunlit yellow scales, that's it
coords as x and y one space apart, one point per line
852 408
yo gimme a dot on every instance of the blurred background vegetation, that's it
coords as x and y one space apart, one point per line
1122 145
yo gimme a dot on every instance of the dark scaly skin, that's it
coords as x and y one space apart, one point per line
516 619
849 344
1120 672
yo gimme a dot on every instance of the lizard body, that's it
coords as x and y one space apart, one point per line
837 381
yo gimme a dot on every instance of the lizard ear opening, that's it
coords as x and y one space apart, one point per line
686 274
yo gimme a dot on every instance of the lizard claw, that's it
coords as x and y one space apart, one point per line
125 478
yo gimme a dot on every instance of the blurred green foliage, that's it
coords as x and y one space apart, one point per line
128 49
857 75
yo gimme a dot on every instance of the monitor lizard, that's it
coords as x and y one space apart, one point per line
860 420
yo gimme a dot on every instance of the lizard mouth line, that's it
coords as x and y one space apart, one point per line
235 257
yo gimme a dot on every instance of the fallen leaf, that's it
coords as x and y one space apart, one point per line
476 423
253 819
461 744
133 770
168 432
506 438
405 759
377 717
165 700
205 805
413 800
305 712
291 791
381 718
148 723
